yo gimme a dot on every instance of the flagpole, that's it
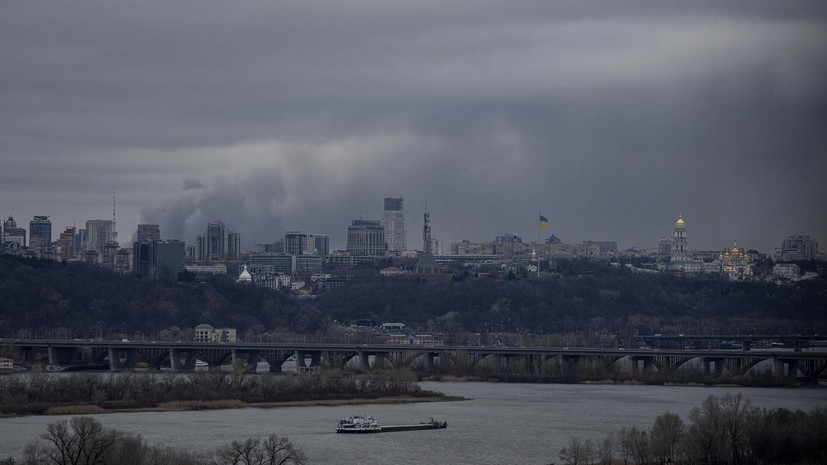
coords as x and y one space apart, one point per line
537 252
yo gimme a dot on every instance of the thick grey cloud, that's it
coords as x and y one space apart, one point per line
611 117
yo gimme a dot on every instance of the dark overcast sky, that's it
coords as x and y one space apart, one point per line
611 117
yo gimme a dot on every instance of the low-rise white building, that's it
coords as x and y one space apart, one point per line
786 270
206 333
393 327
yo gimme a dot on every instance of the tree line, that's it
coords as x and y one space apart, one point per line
725 430
84 441
37 393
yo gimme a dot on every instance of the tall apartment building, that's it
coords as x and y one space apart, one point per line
110 253
366 238
66 245
218 244
123 261
80 243
167 259
393 220
98 234
142 258
40 236
147 233
298 243
798 246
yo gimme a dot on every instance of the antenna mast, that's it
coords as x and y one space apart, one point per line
114 230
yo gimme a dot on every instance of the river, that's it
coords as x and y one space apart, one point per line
500 423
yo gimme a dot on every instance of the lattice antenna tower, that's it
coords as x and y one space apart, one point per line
114 230
426 231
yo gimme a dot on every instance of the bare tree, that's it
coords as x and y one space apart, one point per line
280 451
641 449
608 447
625 445
718 433
665 435
240 453
272 450
80 441
576 452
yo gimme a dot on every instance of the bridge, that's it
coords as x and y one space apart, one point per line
182 357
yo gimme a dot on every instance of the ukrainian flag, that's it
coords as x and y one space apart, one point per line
543 221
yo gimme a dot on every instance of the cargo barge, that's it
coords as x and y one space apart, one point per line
359 424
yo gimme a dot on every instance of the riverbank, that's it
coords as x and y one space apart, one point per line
185 406
735 381
61 394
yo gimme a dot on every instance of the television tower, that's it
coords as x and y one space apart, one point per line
114 231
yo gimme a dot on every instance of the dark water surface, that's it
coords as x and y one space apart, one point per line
500 423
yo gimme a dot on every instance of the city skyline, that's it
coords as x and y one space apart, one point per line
151 232
609 118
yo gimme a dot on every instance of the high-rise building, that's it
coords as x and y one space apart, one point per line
393 220
167 259
66 244
798 246
295 243
298 243
40 236
147 233
123 261
218 244
98 234
142 258
233 246
217 241
366 238
142 249
679 242
110 253
80 243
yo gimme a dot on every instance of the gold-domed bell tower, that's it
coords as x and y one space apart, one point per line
679 250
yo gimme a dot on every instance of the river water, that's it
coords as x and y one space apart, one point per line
500 423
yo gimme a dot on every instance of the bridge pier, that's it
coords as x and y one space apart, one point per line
713 366
647 362
245 360
569 364
129 363
177 365
63 355
300 363
276 358
429 361
786 368
315 360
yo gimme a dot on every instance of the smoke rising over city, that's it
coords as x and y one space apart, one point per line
610 118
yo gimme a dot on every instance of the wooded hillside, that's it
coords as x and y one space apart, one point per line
585 297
